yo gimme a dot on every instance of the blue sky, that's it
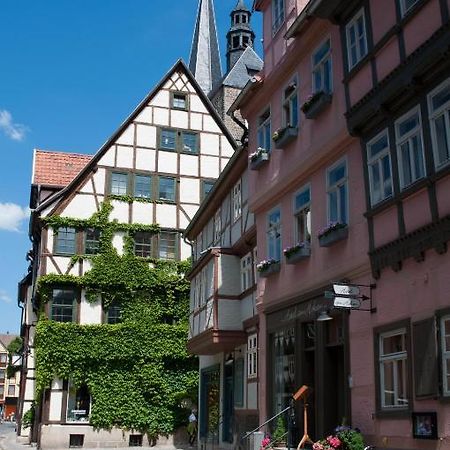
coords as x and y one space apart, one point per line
71 72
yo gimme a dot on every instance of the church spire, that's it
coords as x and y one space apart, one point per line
204 60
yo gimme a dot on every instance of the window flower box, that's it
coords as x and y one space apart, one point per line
259 158
315 104
268 267
334 232
284 136
297 253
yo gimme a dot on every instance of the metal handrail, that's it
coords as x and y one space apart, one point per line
265 423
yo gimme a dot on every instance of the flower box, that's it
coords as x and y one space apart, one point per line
334 233
315 104
267 268
257 159
284 136
297 253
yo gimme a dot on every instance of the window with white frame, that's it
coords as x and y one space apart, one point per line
274 235
237 201
252 356
277 14
408 132
393 369
264 130
379 166
302 215
322 68
356 39
290 104
445 352
439 107
78 404
406 5
217 226
246 272
337 192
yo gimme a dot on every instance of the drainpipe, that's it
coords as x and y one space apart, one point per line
244 138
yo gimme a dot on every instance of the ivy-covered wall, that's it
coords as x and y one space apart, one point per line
137 371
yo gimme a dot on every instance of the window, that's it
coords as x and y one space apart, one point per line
168 245
135 440
379 167
246 272
239 367
356 39
92 241
207 185
302 214
143 244
337 193
62 305
142 186
445 352
2 374
114 313
3 358
252 356
409 148
439 107
76 440
179 100
217 226
119 183
2 390
290 104
393 369
322 69
277 14
65 241
406 5
167 188
264 133
237 201
274 235
178 140
11 391
78 404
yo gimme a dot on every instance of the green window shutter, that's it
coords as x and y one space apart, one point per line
426 382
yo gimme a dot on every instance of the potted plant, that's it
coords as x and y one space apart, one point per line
279 435
344 438
333 232
284 136
268 267
258 158
315 103
297 252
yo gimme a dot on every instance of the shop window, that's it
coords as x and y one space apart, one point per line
78 404
65 241
62 305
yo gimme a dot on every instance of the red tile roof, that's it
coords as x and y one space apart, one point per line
57 168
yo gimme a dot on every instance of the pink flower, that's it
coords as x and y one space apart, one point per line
265 442
317 446
334 441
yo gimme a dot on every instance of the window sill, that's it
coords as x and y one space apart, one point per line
259 159
317 104
273 268
285 136
393 413
334 236
300 255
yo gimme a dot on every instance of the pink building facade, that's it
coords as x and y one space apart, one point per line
349 125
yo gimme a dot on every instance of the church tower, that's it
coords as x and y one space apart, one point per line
204 61
240 36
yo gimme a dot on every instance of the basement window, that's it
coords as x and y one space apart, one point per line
76 440
135 440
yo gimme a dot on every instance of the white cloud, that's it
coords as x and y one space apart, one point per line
11 216
15 131
4 297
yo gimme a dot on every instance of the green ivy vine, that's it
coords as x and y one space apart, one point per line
137 371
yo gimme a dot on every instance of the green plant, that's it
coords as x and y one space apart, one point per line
279 434
28 417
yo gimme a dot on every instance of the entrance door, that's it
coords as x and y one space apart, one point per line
210 404
228 397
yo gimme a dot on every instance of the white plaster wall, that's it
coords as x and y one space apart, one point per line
87 187
80 207
189 190
229 275
168 162
108 158
61 263
120 211
197 105
179 119
209 167
236 231
145 115
162 98
227 148
99 180
185 250
87 266
142 213
223 163
146 136
248 307
210 144
196 121
189 165
50 239
229 312
90 313
55 406
145 159
189 211
124 157
161 116
209 124
118 242
127 137
252 395
166 215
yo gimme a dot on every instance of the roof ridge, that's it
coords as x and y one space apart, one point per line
63 152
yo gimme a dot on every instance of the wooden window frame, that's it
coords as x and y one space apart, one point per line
176 249
274 227
252 356
404 10
291 103
336 187
237 201
300 211
56 250
203 183
264 130
320 67
173 94
75 304
174 191
278 15
179 141
352 23
111 174
85 241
